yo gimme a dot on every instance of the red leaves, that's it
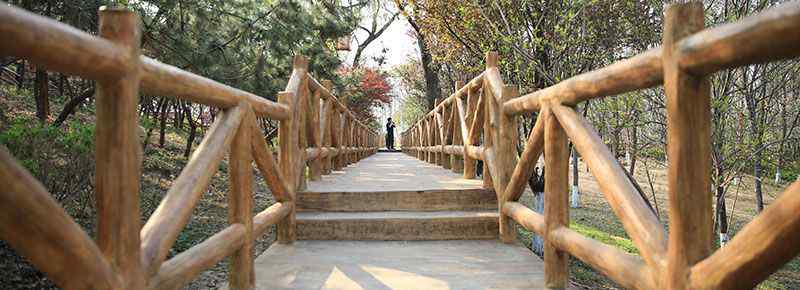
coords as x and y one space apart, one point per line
375 85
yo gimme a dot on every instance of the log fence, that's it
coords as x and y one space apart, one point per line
479 122
317 133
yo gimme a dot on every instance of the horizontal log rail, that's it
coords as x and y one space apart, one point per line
317 131
485 109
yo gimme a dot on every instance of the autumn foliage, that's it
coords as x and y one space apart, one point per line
365 89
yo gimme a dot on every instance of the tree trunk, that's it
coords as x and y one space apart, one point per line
20 74
163 126
71 105
432 88
722 216
751 102
179 115
757 174
575 179
61 79
192 130
42 95
634 150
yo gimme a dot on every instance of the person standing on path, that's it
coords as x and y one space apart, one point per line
389 134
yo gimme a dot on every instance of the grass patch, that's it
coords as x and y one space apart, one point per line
606 238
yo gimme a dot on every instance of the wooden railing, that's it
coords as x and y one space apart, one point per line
681 259
316 131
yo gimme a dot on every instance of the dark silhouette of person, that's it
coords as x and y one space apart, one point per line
389 134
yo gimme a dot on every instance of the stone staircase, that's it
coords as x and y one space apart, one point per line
455 214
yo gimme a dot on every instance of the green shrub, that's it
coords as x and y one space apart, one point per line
62 159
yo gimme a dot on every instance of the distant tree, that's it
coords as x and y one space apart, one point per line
381 17
411 85
365 89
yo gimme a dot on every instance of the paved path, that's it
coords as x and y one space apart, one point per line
379 259
428 265
391 172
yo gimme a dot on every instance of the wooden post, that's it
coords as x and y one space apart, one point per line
501 136
328 127
336 134
118 152
240 203
556 205
303 107
287 142
688 149
446 135
314 134
425 136
436 133
290 156
434 141
348 138
421 135
487 141
357 143
469 163
363 143
456 161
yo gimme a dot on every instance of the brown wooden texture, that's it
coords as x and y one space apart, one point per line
556 199
266 163
760 248
462 138
181 269
82 54
288 148
638 72
626 269
270 216
159 233
326 124
117 152
639 221
530 155
166 80
689 150
241 274
527 218
504 136
770 35
35 38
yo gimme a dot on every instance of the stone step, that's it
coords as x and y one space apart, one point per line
398 225
384 150
423 200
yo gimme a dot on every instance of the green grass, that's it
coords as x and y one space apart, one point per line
581 273
624 244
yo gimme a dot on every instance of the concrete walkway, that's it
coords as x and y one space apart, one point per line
391 172
423 265
391 221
